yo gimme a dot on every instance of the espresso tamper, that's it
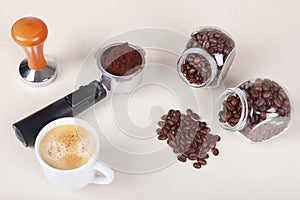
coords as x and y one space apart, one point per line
36 70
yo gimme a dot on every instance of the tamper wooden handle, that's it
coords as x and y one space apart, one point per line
30 33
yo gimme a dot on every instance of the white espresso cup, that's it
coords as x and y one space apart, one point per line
83 175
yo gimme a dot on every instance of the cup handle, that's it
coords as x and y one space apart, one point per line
106 171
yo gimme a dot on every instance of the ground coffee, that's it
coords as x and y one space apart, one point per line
121 60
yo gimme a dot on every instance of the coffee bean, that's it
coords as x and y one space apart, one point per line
204 37
222 117
212 145
181 158
215 151
197 60
170 113
172 143
176 150
217 138
203 154
158 131
260 102
164 130
192 156
197 165
161 123
217 35
170 123
189 111
267 94
162 137
236 116
213 40
164 117
202 161
277 103
286 103
234 102
195 116
254 93
206 44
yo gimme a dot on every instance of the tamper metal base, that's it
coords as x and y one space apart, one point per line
38 78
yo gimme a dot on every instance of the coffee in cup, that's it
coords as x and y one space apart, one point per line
67 147
68 152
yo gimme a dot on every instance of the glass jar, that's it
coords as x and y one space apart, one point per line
208 56
259 109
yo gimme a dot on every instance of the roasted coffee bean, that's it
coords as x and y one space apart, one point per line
161 123
158 131
203 155
197 165
181 158
170 123
217 138
189 111
202 161
170 113
260 102
212 145
172 144
176 150
206 156
277 103
164 117
162 137
193 156
164 131
195 116
215 151
234 102
267 94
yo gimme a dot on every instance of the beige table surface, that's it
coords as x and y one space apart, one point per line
267 33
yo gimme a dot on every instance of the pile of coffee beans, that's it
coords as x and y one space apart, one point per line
121 60
215 42
232 109
196 69
188 136
266 100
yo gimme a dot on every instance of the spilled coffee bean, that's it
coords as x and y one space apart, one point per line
189 137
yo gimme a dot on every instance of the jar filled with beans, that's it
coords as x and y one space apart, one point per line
259 109
208 56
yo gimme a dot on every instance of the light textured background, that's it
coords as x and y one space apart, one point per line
267 33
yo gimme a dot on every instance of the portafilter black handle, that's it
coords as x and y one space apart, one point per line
71 105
